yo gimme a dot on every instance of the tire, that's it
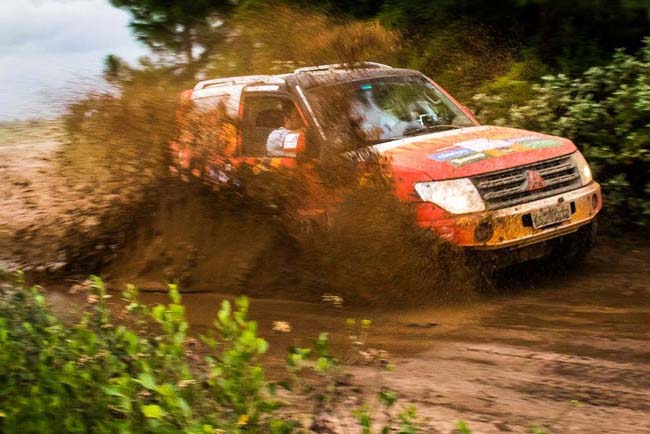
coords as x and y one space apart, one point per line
571 250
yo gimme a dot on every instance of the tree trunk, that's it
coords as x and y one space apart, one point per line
188 43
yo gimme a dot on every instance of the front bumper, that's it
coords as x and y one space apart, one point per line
511 227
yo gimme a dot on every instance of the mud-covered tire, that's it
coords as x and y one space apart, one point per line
572 249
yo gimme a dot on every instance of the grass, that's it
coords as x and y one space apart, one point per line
15 132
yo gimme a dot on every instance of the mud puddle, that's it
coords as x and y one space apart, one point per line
569 352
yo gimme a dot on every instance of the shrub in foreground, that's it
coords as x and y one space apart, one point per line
96 376
146 375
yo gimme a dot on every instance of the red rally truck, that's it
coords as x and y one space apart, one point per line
484 188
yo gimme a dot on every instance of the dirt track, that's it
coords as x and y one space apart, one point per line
506 364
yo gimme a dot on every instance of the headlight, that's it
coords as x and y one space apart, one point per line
458 196
583 168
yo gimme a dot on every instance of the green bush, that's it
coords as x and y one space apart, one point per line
606 112
96 376
147 375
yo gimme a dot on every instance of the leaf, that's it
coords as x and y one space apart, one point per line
322 364
158 312
283 384
152 411
387 397
112 391
166 390
462 427
243 420
185 407
147 381
262 345
224 313
174 295
243 304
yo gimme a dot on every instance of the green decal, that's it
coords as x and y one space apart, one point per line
539 144
468 159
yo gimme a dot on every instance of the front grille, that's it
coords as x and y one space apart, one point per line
513 186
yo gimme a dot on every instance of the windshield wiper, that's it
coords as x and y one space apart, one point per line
423 130
431 128
373 142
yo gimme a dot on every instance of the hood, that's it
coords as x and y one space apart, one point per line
471 151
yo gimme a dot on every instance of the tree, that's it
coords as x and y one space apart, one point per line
186 29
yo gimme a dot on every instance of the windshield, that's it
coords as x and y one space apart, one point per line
384 109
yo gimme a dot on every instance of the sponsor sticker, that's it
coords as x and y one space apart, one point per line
450 154
470 151
523 139
540 144
500 152
535 142
479 145
477 156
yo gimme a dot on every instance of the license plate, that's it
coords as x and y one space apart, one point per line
550 215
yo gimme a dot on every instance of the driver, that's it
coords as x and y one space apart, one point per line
292 122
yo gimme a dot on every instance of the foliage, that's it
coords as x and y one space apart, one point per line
462 427
188 28
310 38
513 88
565 35
606 112
404 423
461 56
147 375
95 376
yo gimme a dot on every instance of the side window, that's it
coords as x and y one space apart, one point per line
264 114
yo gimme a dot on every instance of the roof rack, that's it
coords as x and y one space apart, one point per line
231 81
335 66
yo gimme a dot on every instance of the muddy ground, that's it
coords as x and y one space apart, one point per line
506 363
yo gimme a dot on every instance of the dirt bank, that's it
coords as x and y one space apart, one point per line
39 205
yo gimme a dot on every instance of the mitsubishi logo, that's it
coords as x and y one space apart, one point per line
535 180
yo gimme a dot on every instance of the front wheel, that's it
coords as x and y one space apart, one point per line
572 249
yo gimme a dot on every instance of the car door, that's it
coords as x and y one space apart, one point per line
261 114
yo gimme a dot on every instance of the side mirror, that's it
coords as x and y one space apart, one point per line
294 144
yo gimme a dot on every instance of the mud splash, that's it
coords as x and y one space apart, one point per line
371 253
191 239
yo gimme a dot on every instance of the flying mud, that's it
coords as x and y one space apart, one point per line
230 241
